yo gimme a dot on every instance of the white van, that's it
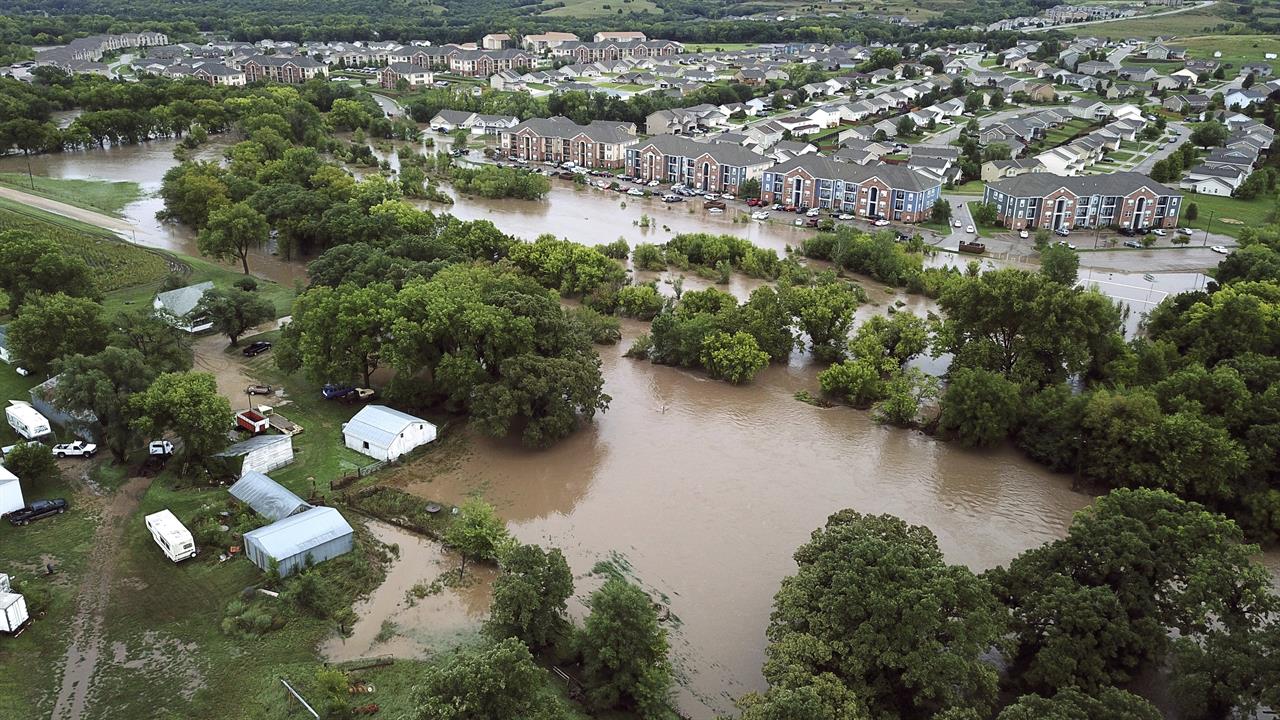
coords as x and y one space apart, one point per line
27 421
171 535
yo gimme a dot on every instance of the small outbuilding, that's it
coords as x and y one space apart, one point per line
260 454
310 537
10 492
385 434
13 609
267 497
179 305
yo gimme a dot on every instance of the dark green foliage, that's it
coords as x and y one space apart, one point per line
980 407
529 596
624 652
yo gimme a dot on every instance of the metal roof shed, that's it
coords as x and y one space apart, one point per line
267 497
260 454
385 434
314 536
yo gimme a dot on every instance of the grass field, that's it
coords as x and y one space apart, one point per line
718 47
1192 22
1249 213
100 195
1236 49
601 8
116 263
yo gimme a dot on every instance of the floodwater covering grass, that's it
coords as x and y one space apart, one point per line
100 195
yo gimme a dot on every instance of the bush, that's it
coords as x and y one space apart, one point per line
618 249
642 302
648 257
601 329
247 283
640 347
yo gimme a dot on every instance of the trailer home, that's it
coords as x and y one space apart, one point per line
171 535
27 421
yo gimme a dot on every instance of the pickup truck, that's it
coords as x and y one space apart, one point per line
75 449
36 510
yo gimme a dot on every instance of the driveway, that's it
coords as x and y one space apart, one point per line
1183 133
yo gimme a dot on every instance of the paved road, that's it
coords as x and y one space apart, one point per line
1183 134
116 225
1187 8
390 107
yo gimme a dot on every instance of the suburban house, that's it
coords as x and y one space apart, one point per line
1213 179
871 191
446 121
599 144
177 307
414 75
1089 109
495 41
996 169
1186 104
1244 98
717 167
282 68
1045 200
383 433
490 124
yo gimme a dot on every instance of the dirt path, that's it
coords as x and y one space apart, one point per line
87 642
71 211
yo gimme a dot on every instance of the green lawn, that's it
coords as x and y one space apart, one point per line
1249 213
100 195
196 270
983 229
1235 49
1192 22
972 187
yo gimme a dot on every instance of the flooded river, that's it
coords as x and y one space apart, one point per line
698 490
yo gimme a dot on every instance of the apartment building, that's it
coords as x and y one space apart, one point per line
282 68
599 144
414 75
717 167
609 50
871 191
543 42
1045 200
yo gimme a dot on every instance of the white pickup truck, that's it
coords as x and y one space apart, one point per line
75 449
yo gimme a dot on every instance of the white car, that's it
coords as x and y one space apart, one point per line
844 216
636 192
602 184
1185 231
760 215
955 223
880 223
1066 244
653 183
1159 232
715 211
75 449
1220 250
1024 234
812 212
727 196
969 229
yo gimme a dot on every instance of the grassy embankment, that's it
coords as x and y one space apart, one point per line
600 8
1229 215
105 197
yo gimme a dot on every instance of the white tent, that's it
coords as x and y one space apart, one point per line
10 492
385 434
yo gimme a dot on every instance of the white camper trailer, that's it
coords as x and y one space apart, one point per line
27 421
10 493
171 535
13 609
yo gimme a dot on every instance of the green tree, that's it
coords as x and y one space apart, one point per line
166 348
1073 704
476 533
492 681
750 188
102 385
941 211
529 597
337 334
34 465
188 406
234 312
736 358
624 652
905 391
231 232
30 265
980 407
1210 134
51 327
1193 211
1060 264
905 127
874 604
824 311
859 381
984 213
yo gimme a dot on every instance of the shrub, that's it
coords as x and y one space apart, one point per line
618 249
642 302
648 257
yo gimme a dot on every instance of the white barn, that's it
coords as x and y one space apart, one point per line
260 454
385 434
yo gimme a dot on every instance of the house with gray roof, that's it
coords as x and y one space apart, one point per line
384 433
178 307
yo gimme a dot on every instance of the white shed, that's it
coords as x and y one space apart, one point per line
260 454
10 492
385 434
178 305
13 608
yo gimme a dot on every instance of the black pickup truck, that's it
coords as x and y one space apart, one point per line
38 509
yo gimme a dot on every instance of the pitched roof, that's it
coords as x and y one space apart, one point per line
562 127
819 166
182 301
267 497
379 424
722 152
297 534
1040 184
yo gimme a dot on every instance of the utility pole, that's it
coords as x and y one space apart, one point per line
30 179
1206 229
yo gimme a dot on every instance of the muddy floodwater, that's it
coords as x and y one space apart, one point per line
698 490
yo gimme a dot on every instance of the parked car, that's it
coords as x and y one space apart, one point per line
844 216
75 449
727 196
760 215
671 198
970 229
37 510
1185 231
1159 233
652 183
1127 232
259 390
333 392
1132 244
955 223
1066 244
812 212
635 192
715 210
1061 232
255 349
880 223
1024 234
753 202
1221 250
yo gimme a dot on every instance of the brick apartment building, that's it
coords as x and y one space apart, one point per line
718 167
282 68
893 192
1044 200
600 144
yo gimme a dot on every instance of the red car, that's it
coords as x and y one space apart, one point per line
753 202
789 208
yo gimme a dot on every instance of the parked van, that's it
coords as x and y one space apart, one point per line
171 535
27 421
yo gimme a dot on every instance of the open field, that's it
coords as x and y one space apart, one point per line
1248 212
1236 49
1192 22
718 47
600 8
100 195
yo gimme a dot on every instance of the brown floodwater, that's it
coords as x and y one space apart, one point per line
698 490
